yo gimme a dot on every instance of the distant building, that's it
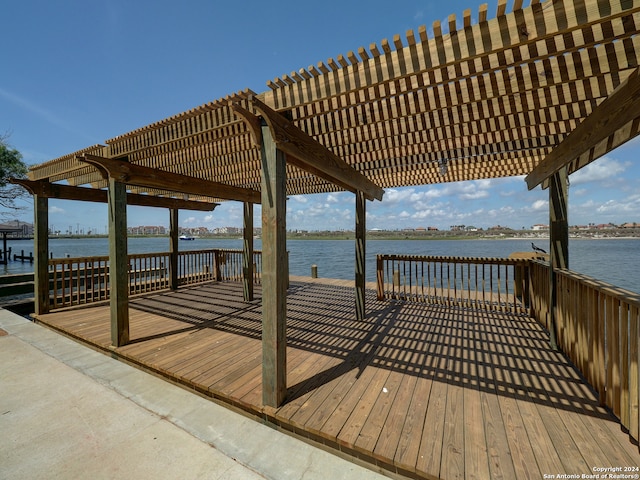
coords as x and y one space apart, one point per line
539 226
16 228
228 231
193 231
147 230
630 225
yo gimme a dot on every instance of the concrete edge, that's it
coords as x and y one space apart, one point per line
271 452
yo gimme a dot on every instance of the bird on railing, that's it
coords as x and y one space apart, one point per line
537 249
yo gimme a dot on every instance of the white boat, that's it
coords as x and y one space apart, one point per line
186 237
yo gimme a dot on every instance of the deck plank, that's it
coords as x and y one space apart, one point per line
429 458
508 355
427 390
453 439
498 450
475 448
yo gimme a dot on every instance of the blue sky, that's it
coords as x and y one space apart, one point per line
78 72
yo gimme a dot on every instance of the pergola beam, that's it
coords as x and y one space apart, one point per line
306 153
141 176
44 189
620 108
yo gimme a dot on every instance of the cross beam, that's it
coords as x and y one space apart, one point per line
620 108
45 189
132 174
305 152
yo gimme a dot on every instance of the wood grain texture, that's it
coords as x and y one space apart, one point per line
431 391
492 98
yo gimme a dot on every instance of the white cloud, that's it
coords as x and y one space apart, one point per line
56 210
396 196
631 204
539 205
299 198
333 198
474 195
189 221
602 169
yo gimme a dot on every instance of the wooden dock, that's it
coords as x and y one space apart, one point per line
417 390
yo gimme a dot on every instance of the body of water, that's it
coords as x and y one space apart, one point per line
615 261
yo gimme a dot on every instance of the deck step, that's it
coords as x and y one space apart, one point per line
19 288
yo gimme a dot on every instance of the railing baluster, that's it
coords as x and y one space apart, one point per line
75 281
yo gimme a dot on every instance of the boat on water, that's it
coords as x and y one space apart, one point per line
186 237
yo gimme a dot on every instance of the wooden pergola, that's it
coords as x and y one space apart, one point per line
540 91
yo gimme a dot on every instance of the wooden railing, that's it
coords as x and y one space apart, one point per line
597 328
197 266
485 283
77 281
222 265
540 291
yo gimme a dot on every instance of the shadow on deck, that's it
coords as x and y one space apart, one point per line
421 390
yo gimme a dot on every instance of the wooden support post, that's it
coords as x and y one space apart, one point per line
247 253
41 265
361 242
173 248
5 255
559 242
274 272
118 263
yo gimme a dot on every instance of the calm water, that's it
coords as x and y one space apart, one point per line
615 261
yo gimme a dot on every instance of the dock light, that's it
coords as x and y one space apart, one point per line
444 166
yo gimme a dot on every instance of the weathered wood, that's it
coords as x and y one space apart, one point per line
304 152
634 372
274 272
559 241
620 108
41 262
247 253
452 281
68 192
132 174
253 123
361 244
522 408
173 248
118 263
494 98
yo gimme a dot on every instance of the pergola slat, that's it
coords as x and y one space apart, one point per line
471 93
621 108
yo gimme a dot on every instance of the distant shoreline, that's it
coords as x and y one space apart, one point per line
593 234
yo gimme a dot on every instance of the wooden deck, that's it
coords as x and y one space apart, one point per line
422 391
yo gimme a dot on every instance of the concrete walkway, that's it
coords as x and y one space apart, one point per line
69 412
